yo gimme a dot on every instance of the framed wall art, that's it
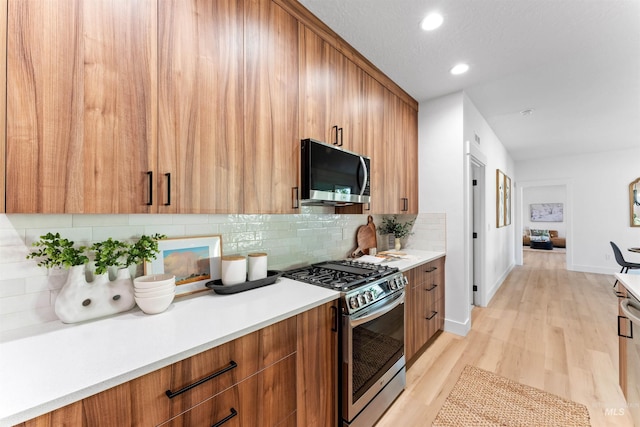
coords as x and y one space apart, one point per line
193 260
547 212
503 199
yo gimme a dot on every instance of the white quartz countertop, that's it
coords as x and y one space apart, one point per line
45 368
631 282
52 365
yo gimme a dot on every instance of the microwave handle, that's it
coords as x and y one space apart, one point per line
366 176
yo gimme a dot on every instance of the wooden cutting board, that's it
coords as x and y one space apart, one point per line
365 238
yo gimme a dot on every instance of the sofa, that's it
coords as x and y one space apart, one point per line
558 242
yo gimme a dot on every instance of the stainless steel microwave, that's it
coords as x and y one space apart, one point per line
332 175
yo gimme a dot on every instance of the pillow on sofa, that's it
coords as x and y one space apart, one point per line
553 233
540 235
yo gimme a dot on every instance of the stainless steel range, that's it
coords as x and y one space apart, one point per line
372 372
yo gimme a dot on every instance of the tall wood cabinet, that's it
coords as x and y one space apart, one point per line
271 135
81 105
200 71
424 306
284 374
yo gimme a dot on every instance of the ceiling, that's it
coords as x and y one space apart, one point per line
576 63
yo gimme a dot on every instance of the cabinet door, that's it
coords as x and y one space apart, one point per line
330 94
81 111
409 137
200 106
317 367
373 140
271 136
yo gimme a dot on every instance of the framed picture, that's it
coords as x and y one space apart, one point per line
500 192
507 200
193 260
547 212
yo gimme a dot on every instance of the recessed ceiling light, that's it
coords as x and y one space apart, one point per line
527 112
431 21
459 69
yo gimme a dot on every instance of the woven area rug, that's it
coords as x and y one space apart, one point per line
482 398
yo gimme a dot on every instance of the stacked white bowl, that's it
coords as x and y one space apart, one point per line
155 292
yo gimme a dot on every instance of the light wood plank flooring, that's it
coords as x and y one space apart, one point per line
546 327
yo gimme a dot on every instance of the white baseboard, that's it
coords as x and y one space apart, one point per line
457 328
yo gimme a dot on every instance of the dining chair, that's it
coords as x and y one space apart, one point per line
626 266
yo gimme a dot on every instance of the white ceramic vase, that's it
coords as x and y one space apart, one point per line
80 300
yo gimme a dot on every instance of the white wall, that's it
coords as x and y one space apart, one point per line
498 250
598 197
544 194
444 126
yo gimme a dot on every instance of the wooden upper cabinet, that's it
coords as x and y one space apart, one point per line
330 94
409 133
271 136
200 137
373 140
81 97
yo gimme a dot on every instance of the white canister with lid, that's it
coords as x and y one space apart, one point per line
234 270
257 266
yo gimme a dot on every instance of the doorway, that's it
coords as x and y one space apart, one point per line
478 236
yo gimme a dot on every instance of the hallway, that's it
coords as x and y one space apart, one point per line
546 327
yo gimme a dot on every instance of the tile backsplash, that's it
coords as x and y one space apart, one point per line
28 292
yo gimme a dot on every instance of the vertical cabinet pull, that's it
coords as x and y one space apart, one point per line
294 198
168 202
405 204
171 394
150 176
341 136
334 311
335 139
227 418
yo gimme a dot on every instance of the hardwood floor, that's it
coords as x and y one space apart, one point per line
546 327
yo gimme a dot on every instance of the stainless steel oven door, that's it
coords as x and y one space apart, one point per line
373 352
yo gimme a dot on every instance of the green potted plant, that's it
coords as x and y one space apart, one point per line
79 300
391 226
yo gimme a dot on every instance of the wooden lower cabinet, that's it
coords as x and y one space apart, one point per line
424 306
264 399
282 375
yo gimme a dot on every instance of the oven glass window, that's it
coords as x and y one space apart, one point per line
377 345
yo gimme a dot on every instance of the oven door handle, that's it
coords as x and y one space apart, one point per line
357 321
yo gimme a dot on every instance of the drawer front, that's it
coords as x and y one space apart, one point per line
433 291
266 399
434 318
229 364
432 272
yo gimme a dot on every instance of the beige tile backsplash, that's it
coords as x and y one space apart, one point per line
28 292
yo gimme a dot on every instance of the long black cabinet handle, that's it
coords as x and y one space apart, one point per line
168 202
171 394
150 175
431 288
227 418
334 324
432 269
341 137
405 204
433 313
335 141
294 198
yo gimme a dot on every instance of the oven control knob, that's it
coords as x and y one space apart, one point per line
353 302
405 280
392 284
369 296
362 299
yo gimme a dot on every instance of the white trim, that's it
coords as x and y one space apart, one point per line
458 328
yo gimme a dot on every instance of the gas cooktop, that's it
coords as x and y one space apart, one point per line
341 275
